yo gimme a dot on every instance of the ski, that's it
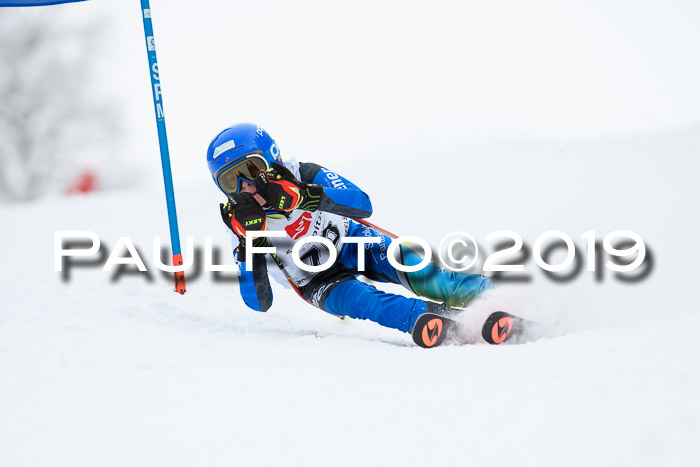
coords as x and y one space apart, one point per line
501 326
432 330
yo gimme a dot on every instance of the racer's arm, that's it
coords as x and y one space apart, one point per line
255 285
239 211
318 189
341 195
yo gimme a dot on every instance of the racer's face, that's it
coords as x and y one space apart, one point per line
247 187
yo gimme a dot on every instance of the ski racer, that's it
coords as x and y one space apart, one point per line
305 199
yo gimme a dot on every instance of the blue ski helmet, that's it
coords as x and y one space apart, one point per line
238 153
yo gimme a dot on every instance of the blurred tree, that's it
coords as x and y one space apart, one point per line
48 112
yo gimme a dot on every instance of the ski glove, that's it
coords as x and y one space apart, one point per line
284 192
241 213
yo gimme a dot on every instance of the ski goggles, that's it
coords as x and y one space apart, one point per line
229 178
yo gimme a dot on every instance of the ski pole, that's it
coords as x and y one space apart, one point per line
377 228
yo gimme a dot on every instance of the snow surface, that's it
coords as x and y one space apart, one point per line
130 373
406 99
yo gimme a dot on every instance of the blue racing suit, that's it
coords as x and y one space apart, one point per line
337 290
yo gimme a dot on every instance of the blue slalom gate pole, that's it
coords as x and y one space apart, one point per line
35 2
163 140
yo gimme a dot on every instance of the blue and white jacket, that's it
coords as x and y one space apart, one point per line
341 201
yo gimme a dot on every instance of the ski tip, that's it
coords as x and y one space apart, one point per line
501 326
429 331
500 330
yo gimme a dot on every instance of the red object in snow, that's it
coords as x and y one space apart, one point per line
86 182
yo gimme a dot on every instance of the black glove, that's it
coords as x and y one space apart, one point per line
241 213
283 192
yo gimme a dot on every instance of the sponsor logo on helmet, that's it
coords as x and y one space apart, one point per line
260 131
223 148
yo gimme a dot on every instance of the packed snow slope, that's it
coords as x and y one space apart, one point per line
95 371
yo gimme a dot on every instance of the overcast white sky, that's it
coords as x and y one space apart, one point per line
362 78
